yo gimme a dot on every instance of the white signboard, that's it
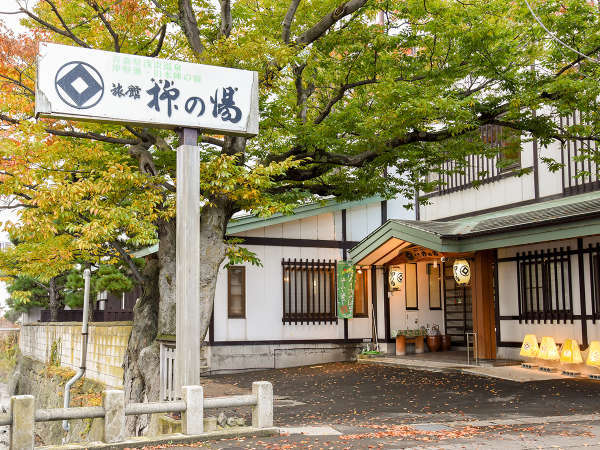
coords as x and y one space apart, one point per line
84 84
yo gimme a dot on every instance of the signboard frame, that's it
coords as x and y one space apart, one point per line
196 96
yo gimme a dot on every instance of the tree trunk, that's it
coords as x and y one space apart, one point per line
154 313
213 223
53 303
140 381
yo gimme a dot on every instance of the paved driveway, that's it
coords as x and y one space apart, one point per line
349 405
343 393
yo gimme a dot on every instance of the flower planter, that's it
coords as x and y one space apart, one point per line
400 345
434 343
446 342
402 340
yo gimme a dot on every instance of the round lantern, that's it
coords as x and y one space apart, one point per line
395 278
462 271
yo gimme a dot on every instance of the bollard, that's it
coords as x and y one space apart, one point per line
22 409
113 402
262 413
192 420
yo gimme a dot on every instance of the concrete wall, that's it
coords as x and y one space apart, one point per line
235 358
106 347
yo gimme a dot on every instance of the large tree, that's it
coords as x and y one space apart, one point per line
357 98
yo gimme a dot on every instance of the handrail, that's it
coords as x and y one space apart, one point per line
23 414
82 412
230 402
134 409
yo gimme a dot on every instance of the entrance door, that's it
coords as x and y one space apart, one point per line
458 307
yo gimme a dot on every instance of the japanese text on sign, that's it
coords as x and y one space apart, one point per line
96 85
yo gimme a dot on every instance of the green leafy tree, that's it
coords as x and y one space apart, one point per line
27 292
348 91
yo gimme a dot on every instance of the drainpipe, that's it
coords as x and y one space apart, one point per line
84 342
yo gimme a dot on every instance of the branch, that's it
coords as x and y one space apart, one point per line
9 119
173 17
226 19
78 134
188 22
212 140
338 96
577 61
125 256
161 40
66 32
17 206
317 30
92 136
302 93
106 23
18 83
287 21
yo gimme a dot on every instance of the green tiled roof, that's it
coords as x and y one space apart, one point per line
562 218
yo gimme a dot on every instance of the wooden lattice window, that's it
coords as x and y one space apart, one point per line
309 292
545 286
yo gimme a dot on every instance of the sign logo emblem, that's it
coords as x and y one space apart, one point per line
79 85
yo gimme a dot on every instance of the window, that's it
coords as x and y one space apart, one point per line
545 290
435 286
236 292
360 294
508 143
410 277
309 291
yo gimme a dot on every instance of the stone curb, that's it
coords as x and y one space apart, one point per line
140 442
524 420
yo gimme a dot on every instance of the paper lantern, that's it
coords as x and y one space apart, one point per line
396 276
593 357
462 271
548 350
530 346
570 353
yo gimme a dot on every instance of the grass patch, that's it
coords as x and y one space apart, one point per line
8 356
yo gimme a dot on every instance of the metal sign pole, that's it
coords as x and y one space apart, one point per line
187 292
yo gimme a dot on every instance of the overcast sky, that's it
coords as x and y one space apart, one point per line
11 20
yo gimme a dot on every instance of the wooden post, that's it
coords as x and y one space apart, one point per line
483 304
187 292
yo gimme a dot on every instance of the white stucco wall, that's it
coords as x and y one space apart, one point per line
512 330
503 192
402 319
264 304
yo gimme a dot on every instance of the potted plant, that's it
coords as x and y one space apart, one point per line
434 338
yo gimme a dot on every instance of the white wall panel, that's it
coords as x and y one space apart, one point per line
489 195
402 319
396 209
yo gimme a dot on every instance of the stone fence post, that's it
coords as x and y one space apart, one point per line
22 409
262 412
192 420
113 402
